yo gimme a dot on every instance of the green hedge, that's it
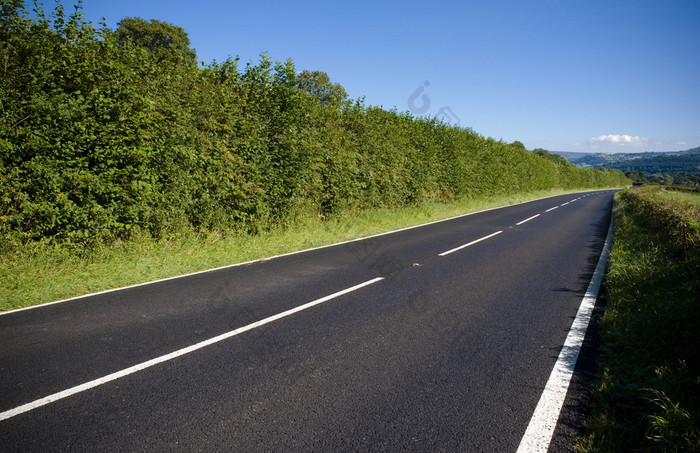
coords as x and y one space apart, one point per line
104 132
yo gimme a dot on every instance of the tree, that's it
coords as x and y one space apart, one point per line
319 84
168 42
547 155
518 145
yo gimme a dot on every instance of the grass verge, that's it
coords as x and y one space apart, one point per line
42 273
682 196
648 389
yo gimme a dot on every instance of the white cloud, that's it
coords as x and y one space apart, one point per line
615 143
619 139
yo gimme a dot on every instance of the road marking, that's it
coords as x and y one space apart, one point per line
564 204
471 243
573 200
552 209
544 420
528 219
142 366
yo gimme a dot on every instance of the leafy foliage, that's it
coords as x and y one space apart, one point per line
104 133
167 41
679 180
317 83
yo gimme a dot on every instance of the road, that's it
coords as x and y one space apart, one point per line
437 338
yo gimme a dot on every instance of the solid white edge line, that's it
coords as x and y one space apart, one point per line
142 366
528 219
228 266
541 428
469 244
552 209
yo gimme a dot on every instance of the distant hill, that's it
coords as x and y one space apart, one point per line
672 162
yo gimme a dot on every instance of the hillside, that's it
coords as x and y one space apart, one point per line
672 163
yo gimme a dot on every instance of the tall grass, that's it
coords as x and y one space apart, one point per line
648 390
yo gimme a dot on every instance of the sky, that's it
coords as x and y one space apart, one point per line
563 75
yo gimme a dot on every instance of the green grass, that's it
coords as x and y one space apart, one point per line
648 389
686 197
43 273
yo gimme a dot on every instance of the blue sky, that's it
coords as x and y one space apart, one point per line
564 75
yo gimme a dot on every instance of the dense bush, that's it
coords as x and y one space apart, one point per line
103 132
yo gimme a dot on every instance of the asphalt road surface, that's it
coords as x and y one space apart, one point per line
437 338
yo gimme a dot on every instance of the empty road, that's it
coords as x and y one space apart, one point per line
435 338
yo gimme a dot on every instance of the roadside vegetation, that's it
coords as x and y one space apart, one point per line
47 272
648 390
121 139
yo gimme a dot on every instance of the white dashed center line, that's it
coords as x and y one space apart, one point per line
528 219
